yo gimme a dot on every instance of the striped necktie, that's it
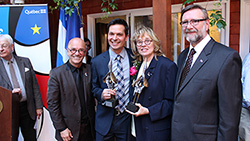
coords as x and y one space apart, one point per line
120 85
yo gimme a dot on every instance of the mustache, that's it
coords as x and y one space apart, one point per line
192 30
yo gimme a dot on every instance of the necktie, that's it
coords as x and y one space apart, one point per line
120 85
187 66
13 75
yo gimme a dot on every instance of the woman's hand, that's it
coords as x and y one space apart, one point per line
142 110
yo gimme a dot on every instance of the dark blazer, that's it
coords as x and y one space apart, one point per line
104 115
158 97
64 102
34 99
208 104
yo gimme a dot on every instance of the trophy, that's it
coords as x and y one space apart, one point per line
138 85
110 80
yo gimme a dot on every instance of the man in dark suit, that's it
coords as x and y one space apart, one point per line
208 90
17 75
70 101
112 123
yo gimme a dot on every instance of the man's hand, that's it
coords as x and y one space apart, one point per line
106 93
17 90
142 110
66 135
39 112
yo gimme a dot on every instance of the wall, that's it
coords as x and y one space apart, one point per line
94 6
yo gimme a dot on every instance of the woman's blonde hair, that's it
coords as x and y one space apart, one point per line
140 32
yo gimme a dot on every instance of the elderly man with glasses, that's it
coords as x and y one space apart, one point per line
17 75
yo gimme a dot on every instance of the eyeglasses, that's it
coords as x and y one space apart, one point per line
81 51
140 42
4 46
193 22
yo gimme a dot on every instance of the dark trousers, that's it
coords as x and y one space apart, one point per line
26 123
119 129
85 132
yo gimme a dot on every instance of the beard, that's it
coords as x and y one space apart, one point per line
196 38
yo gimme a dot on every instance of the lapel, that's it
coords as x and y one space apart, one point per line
105 61
129 57
20 64
130 63
199 63
4 73
151 68
181 64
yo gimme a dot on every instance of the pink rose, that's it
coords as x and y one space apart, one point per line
133 71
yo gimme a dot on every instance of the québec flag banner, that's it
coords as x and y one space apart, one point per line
28 26
69 27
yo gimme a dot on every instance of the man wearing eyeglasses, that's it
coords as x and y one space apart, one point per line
17 75
208 85
70 101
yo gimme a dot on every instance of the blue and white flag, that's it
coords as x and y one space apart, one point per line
69 27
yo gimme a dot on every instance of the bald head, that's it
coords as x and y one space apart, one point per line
76 40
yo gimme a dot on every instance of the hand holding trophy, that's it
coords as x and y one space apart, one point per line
111 82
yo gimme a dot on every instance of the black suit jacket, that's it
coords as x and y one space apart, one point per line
34 100
64 102
104 115
208 104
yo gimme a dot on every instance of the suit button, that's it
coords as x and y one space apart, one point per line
149 98
146 128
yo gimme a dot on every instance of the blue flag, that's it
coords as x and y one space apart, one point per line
69 27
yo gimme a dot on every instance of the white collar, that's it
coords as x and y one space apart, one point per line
201 45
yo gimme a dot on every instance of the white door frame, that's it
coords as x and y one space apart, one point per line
244 28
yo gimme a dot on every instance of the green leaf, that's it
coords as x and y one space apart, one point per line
67 8
217 4
219 25
187 2
218 12
104 9
212 23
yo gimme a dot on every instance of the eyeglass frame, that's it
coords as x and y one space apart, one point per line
3 46
150 41
73 51
191 22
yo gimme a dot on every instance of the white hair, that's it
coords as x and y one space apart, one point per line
6 37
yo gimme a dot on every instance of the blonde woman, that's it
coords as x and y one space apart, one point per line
155 101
